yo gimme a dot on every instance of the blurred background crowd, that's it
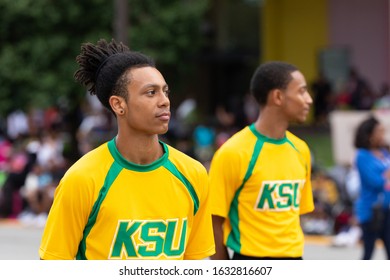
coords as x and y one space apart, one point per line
206 50
36 148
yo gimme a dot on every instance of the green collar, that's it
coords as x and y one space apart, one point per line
137 167
264 138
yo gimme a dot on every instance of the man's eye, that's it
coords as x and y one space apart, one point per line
151 92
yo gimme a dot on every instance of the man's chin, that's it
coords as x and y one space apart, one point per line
301 120
163 131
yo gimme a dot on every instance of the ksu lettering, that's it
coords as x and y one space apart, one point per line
149 239
279 195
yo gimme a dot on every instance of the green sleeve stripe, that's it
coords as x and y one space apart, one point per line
292 145
300 154
112 174
234 238
172 168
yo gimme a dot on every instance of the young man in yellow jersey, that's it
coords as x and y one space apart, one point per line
260 178
133 197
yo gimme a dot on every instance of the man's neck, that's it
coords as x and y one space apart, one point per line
271 125
139 150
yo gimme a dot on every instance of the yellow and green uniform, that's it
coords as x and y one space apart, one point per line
108 208
261 186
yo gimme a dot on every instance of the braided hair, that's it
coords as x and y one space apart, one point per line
103 67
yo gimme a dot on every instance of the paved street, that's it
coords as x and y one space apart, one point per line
18 242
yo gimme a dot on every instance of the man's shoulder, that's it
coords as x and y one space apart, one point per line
178 157
295 139
298 143
91 160
239 139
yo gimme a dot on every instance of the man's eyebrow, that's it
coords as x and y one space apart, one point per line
155 85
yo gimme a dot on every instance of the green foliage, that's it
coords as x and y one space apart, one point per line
167 30
170 32
39 40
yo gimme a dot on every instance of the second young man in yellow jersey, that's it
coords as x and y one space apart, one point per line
260 178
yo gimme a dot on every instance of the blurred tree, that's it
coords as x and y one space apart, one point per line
167 30
39 40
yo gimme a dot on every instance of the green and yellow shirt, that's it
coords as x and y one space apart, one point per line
108 208
261 186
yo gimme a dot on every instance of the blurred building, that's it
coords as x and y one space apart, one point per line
331 36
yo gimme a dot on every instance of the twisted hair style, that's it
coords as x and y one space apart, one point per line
102 68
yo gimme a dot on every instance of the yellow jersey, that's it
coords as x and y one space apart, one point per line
106 207
261 186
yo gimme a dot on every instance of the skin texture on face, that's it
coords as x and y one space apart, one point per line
296 99
148 106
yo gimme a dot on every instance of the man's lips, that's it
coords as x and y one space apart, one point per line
165 116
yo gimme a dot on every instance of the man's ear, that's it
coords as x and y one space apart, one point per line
118 104
276 97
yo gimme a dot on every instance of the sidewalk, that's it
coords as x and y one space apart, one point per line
19 242
319 247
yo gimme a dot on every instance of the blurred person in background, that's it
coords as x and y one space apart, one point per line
360 91
322 90
21 162
43 177
372 204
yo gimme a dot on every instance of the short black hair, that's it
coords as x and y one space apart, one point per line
364 132
268 76
102 68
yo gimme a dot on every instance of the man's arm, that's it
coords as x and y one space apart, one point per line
221 250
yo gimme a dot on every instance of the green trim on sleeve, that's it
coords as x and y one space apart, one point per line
234 238
300 154
292 145
173 169
112 174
